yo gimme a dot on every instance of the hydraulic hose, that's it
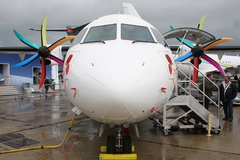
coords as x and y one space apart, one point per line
45 147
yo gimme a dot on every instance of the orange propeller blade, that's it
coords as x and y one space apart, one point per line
60 41
218 41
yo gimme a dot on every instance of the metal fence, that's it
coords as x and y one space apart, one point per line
30 90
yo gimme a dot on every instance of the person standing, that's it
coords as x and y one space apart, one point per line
228 91
208 90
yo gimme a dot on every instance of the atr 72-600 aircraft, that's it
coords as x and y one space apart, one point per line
118 71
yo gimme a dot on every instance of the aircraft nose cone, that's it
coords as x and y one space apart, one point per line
121 81
120 87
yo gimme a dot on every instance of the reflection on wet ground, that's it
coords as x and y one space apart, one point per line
38 121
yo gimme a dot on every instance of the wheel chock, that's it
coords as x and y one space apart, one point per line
118 150
132 156
118 156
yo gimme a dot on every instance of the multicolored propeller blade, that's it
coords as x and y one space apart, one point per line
26 62
43 75
201 23
185 56
195 71
24 40
216 42
59 42
43 31
184 41
56 59
214 63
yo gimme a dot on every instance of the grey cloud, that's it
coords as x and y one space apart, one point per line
222 16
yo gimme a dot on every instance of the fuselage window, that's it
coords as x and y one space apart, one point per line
136 33
158 37
101 33
79 37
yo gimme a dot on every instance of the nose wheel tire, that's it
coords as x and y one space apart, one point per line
111 144
127 144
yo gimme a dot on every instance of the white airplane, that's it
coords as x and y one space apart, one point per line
118 71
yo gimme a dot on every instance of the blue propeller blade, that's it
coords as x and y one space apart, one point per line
184 41
27 61
185 56
24 40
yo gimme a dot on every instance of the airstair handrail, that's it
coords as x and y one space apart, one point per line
187 80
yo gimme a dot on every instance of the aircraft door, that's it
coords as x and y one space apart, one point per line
36 76
4 74
1 75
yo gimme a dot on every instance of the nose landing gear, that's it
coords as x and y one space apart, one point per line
118 147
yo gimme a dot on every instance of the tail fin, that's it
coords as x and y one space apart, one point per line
130 10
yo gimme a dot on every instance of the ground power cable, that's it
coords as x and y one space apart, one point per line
45 147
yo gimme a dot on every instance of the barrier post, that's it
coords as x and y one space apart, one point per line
209 125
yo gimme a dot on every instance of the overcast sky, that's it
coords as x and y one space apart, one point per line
223 16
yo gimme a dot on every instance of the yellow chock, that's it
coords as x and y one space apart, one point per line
209 125
118 150
118 155
132 156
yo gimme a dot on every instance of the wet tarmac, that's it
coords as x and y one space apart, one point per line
40 121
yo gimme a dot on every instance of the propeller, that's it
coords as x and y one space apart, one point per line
197 52
43 51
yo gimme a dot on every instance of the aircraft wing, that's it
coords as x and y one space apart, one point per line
24 49
70 30
214 49
21 51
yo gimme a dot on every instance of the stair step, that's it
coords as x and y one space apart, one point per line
8 90
191 103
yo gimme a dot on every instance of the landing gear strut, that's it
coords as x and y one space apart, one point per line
119 142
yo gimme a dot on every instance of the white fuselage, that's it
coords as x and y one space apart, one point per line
119 82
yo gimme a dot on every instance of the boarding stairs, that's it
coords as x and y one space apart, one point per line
186 112
8 91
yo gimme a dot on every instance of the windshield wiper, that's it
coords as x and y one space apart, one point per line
143 41
95 42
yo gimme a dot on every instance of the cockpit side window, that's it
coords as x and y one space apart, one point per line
79 37
159 37
101 33
136 33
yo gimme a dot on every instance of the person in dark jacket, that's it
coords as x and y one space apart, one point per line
228 91
208 89
47 83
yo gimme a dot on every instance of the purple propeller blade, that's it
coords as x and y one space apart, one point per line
214 63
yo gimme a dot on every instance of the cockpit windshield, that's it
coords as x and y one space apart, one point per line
136 33
158 37
101 33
